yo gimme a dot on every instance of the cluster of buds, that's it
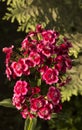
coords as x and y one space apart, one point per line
38 70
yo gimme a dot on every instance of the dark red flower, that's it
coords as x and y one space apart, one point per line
35 90
45 112
50 76
54 95
57 108
43 69
37 103
19 67
21 88
39 28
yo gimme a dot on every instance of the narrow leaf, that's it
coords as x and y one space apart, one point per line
30 124
39 82
6 103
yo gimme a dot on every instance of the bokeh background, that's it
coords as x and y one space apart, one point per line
17 17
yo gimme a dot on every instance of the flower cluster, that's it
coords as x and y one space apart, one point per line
38 70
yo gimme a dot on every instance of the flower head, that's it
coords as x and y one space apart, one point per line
39 68
45 112
21 88
50 76
54 95
37 103
19 67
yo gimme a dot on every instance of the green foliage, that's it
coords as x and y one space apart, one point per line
75 86
23 12
30 124
76 39
6 103
58 14
70 118
8 1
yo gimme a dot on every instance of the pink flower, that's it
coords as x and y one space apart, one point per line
19 67
50 36
8 51
32 34
54 95
24 112
8 72
21 88
35 57
37 103
29 61
28 45
40 46
47 51
18 101
45 112
50 76
68 63
25 43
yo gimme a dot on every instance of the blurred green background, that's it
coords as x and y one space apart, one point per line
17 17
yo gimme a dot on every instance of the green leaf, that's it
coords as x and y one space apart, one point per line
9 1
39 82
6 103
30 124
